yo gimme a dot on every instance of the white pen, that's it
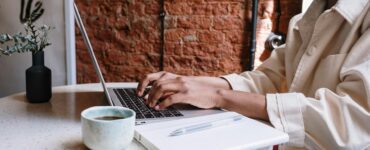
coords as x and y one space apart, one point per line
204 126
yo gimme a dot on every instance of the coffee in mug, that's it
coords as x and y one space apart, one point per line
109 118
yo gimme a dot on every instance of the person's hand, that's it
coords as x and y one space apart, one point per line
182 90
212 82
203 92
154 77
172 88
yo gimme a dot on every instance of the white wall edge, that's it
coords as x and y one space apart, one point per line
70 42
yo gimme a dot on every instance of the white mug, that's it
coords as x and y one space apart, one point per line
99 133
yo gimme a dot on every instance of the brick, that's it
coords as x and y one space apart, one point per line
211 36
177 35
228 23
194 22
232 64
152 7
196 49
234 36
219 9
205 63
173 48
224 49
83 56
104 34
236 51
190 2
170 22
150 37
202 9
137 8
126 45
153 59
237 9
177 8
190 38
174 35
179 62
120 23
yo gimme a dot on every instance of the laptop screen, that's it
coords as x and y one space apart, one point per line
91 52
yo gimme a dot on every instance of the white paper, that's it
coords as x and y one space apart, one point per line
244 134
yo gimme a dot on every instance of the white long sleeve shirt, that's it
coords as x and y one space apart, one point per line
317 85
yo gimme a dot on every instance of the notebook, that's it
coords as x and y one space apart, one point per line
244 134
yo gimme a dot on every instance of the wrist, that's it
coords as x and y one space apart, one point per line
220 98
213 82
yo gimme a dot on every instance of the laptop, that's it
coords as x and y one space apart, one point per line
126 97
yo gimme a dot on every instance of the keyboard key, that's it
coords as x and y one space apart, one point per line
139 116
166 113
158 114
178 115
148 116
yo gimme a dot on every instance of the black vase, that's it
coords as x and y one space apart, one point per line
38 80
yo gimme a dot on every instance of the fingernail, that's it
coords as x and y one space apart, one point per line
157 107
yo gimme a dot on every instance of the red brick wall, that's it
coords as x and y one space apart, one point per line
202 37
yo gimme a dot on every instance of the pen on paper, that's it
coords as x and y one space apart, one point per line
205 126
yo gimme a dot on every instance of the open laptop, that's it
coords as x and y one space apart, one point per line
126 97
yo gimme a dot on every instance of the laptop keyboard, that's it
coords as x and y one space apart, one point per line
129 99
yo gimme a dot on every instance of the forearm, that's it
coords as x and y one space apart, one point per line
248 104
214 82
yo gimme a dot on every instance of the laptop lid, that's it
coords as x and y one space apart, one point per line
91 52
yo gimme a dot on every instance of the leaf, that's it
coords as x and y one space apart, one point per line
9 37
15 39
34 39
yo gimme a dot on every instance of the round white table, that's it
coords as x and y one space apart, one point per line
52 125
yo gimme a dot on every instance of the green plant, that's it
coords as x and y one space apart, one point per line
33 40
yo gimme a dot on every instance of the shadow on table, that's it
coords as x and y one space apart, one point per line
75 145
64 105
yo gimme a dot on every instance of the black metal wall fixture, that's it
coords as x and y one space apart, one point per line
162 16
252 42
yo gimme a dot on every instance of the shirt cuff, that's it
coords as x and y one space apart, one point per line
285 114
236 82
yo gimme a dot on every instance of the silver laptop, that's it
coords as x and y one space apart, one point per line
126 97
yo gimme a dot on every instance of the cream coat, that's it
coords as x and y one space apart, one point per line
317 85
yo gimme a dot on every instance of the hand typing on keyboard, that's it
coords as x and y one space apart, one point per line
202 92
172 88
